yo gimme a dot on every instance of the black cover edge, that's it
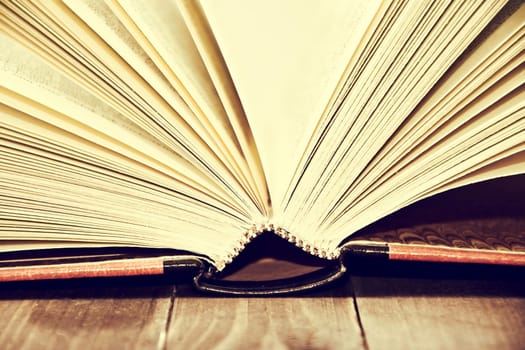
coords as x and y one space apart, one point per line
184 264
206 282
373 250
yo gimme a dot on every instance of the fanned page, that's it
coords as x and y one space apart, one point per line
406 128
102 151
196 125
285 59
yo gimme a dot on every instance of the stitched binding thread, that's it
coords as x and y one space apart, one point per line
254 231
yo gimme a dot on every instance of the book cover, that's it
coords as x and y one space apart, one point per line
149 138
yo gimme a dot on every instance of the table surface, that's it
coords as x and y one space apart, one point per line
370 310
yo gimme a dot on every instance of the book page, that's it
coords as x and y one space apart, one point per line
495 57
490 72
285 59
40 84
496 135
99 17
512 165
97 68
58 198
417 47
88 155
161 31
212 57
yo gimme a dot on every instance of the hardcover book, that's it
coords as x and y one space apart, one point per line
143 137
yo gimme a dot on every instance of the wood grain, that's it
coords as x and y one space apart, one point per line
394 312
412 313
315 321
82 317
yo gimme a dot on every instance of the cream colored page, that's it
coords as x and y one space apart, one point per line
512 165
164 27
162 24
23 73
501 131
80 203
480 70
99 17
218 71
285 60
165 37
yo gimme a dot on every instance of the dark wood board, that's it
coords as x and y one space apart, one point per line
440 306
323 320
369 311
83 315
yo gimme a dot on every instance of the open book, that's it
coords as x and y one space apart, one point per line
143 136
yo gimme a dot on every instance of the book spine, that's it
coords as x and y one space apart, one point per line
250 234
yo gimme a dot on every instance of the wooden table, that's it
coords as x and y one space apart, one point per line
418 309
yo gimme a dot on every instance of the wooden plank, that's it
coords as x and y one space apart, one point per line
423 313
80 317
395 312
323 320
